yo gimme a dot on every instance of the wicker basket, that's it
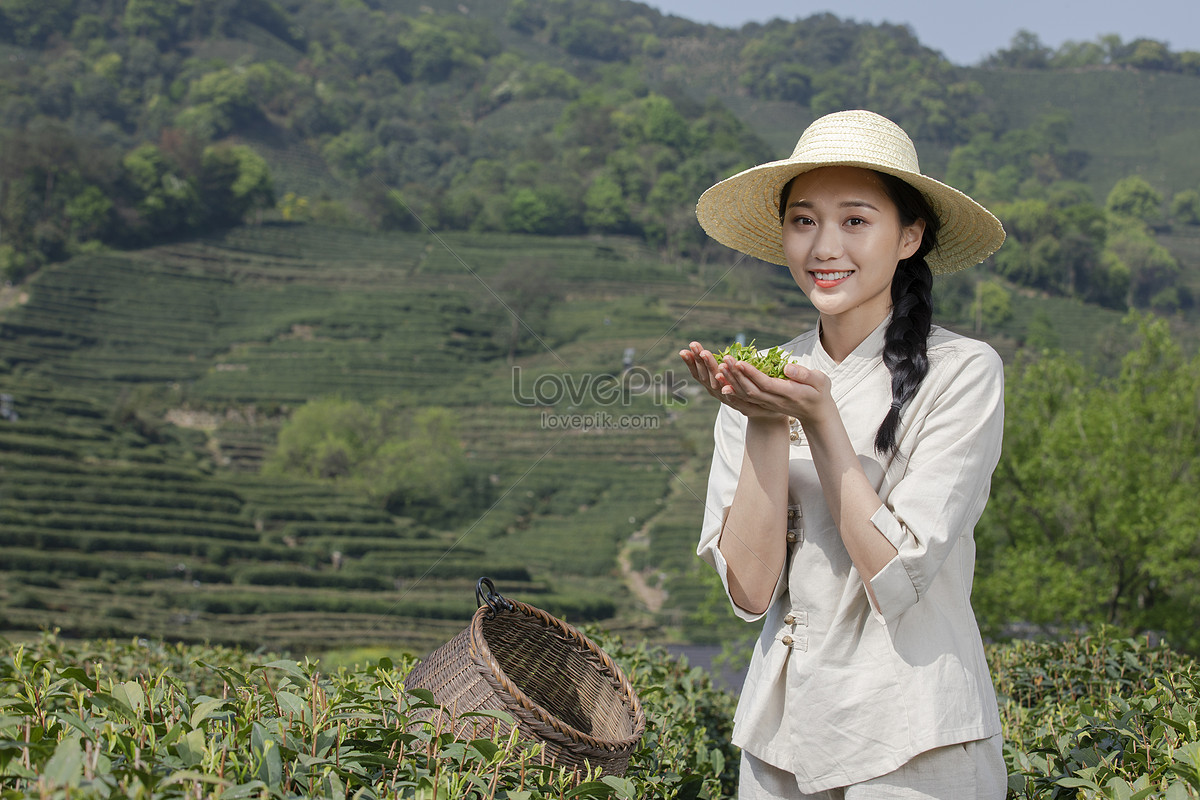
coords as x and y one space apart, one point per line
556 683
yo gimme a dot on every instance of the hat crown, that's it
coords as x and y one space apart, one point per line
857 136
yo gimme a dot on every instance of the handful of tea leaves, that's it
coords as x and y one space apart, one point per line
770 363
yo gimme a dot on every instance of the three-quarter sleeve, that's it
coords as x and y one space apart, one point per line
729 433
946 478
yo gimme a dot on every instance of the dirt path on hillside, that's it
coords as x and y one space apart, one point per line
652 597
12 296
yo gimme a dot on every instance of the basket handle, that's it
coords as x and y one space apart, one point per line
494 600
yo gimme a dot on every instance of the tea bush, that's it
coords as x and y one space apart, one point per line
106 719
1089 717
1099 716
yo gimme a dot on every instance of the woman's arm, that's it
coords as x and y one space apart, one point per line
851 498
753 535
753 538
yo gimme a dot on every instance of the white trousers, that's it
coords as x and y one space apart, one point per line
968 771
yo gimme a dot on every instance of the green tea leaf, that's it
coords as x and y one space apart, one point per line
65 767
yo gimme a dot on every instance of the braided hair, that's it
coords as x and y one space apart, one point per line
907 336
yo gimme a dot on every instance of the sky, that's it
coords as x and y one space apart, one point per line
966 31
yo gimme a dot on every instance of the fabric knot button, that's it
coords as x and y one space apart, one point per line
793 537
793 513
790 619
787 641
795 436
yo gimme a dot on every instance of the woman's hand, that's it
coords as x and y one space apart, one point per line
804 393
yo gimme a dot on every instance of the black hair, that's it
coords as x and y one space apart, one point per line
907 337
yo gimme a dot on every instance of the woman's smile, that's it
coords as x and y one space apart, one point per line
827 280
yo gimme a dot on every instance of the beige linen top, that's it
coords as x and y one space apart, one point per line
840 690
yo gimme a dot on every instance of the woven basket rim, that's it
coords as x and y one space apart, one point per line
484 656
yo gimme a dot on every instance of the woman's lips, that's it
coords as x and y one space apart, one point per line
827 280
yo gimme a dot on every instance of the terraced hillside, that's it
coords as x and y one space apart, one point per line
145 389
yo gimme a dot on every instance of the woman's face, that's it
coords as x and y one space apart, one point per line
843 238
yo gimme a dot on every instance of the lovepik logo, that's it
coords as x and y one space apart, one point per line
604 389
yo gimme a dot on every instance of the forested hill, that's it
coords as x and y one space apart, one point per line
128 122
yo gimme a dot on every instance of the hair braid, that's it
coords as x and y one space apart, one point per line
906 340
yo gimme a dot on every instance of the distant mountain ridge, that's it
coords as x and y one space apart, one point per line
126 125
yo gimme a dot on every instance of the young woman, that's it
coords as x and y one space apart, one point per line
842 498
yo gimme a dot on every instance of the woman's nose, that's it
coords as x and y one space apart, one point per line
828 244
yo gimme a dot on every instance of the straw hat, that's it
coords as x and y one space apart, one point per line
742 212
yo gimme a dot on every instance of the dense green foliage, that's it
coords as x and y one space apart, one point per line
410 461
1026 51
828 65
125 124
109 719
1093 507
1097 717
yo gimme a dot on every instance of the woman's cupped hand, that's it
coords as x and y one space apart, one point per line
803 393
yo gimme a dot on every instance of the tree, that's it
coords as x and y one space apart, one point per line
409 461
235 181
528 212
992 306
160 20
1093 510
1025 51
605 209
324 439
1133 196
527 292
30 22
1151 266
166 198
1185 207
419 473
1150 54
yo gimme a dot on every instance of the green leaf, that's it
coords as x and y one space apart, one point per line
192 775
131 694
488 713
205 709
79 676
590 789
231 676
1077 783
244 790
291 668
689 788
625 788
66 716
191 748
65 767
270 760
292 704
423 694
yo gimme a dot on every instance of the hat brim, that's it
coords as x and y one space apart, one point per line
742 212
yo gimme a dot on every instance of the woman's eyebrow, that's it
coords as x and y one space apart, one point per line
843 204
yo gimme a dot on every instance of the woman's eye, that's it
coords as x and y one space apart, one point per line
853 221
803 221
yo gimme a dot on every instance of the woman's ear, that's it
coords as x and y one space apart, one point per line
910 238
